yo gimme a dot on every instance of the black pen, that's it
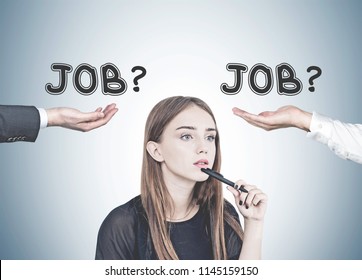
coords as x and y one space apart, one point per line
221 178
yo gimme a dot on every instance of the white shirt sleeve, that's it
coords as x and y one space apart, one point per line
344 139
43 118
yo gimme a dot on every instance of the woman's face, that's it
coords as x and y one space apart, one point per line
187 145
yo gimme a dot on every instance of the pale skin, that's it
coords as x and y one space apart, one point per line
252 206
74 119
187 139
286 116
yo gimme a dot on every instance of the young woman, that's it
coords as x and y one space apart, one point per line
181 212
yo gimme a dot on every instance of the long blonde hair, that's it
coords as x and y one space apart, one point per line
155 196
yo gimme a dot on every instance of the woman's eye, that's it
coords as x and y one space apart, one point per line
211 138
186 137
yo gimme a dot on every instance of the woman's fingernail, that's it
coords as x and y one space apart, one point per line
240 202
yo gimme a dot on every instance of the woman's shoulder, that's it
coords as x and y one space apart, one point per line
119 230
135 204
126 213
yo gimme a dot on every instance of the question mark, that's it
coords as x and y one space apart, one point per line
138 77
315 76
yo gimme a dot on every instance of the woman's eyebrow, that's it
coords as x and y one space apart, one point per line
194 128
186 127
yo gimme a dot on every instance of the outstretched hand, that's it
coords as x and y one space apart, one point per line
77 120
286 116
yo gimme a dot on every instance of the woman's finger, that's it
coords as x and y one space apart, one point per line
260 197
252 191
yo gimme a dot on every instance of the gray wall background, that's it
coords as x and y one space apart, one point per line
55 193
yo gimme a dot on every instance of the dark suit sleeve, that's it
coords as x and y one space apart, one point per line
19 123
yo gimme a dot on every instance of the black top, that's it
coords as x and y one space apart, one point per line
124 235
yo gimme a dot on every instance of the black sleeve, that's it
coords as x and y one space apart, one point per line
233 242
117 235
19 123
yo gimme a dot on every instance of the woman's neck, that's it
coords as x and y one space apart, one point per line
183 206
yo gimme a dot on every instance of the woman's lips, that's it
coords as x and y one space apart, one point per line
202 163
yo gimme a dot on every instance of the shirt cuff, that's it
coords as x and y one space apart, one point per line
320 128
43 117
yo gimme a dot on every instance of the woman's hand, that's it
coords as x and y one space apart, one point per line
252 205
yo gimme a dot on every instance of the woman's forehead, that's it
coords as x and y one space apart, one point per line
192 116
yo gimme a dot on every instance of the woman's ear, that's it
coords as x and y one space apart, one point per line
154 151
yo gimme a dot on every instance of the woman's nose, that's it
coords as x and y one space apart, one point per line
202 147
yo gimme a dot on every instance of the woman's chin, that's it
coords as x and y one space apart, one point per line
202 178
